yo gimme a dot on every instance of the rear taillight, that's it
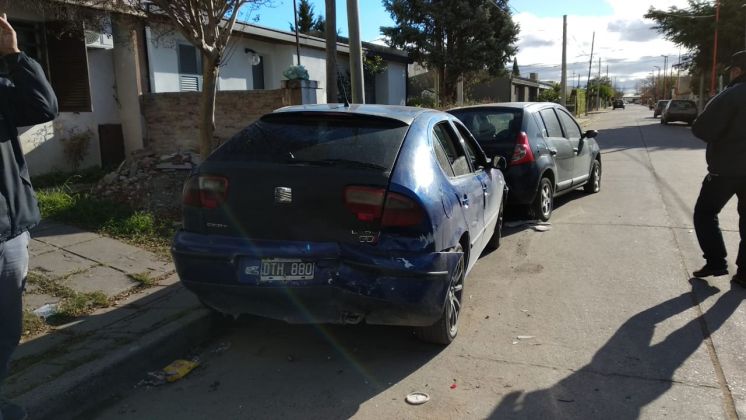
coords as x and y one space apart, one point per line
367 204
206 191
522 152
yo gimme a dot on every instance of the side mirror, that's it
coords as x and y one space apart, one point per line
499 162
590 134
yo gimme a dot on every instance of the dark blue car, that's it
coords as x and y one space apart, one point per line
337 214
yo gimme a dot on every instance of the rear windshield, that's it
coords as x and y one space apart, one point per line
324 139
682 105
494 125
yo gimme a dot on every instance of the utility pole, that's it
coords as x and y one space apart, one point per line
356 53
665 76
598 91
563 82
715 49
588 83
331 52
297 38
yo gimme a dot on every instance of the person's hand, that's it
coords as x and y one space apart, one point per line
8 40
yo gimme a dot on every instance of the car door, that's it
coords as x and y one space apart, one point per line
559 147
581 162
467 186
490 194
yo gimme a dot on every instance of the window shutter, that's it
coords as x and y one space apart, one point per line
68 67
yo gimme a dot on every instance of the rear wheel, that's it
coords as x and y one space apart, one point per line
444 330
542 206
497 235
663 121
594 180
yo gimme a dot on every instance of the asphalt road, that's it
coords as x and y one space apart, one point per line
610 323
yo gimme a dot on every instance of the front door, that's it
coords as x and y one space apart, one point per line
581 165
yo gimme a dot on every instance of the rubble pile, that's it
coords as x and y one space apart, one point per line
148 181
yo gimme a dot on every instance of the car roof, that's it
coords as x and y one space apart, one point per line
405 114
530 106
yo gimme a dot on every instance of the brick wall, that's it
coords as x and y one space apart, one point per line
172 119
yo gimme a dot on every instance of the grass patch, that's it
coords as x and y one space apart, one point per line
107 217
59 179
143 279
80 304
33 324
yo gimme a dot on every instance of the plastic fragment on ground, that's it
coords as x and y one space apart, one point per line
179 369
417 398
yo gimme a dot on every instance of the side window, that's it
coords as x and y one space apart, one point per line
472 151
448 140
551 122
572 130
443 160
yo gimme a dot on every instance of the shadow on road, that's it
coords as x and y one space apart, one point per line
628 372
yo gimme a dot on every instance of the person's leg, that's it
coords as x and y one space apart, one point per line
741 260
715 193
13 270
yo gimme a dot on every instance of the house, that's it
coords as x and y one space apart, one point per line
133 83
510 89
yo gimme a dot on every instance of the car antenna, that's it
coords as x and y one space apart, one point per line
344 92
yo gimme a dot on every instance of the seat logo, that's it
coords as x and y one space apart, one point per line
283 195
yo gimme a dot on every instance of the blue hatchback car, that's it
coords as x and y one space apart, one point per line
342 214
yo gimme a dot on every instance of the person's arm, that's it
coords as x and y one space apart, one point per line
713 122
30 97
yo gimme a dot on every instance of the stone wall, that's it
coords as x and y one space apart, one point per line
172 119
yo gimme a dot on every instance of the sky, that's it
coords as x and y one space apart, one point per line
625 42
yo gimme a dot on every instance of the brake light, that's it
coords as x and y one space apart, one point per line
522 152
206 191
367 204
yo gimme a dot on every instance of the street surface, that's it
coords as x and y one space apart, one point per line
595 318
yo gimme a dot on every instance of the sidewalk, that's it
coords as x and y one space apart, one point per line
144 317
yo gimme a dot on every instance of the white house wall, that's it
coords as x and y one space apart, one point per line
391 84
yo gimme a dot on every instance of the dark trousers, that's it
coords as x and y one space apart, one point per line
715 193
13 270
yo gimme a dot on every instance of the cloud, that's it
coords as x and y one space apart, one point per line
635 30
531 41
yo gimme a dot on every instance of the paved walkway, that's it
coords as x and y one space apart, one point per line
149 316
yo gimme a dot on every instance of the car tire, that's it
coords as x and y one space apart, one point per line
663 121
543 204
594 180
690 122
445 329
497 234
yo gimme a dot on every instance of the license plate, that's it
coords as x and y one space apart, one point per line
285 269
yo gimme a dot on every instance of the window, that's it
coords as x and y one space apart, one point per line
444 134
190 63
258 74
493 125
68 67
472 151
551 123
443 160
572 131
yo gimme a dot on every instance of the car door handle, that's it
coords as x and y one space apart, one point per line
553 152
465 201
575 149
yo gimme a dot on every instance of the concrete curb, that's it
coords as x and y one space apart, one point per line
86 386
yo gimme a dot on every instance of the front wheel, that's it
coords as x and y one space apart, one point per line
445 329
542 206
594 181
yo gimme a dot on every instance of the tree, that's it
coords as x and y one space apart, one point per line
694 29
308 23
454 38
550 95
516 70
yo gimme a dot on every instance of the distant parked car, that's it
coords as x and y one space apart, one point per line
659 107
618 103
548 154
335 214
680 110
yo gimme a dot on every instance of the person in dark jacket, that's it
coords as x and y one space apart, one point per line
721 126
25 99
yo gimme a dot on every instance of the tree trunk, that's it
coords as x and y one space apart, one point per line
210 72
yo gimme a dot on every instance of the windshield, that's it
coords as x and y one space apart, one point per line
318 139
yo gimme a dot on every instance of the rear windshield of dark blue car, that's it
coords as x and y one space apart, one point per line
491 125
317 139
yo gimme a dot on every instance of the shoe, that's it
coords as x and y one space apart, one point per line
11 411
739 279
709 270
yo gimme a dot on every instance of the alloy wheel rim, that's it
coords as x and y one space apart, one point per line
454 297
596 178
546 200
